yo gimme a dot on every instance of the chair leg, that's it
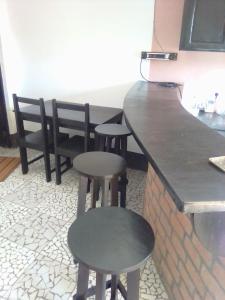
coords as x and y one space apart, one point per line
82 283
24 162
133 285
114 191
47 166
100 286
83 181
57 169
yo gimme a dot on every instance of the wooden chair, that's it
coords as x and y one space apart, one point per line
41 140
74 145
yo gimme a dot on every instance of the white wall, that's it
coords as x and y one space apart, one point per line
77 50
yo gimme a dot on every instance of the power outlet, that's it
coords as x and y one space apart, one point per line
158 55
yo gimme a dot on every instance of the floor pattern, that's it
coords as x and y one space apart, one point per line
35 262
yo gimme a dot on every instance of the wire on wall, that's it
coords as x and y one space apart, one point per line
154 29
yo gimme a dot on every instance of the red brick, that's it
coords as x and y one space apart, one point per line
186 277
212 284
176 293
197 280
185 222
176 226
159 184
173 268
165 206
204 253
166 274
171 250
197 297
155 190
192 251
156 205
165 223
184 292
219 273
178 247
161 245
209 297
170 202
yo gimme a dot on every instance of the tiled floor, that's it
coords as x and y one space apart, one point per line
35 262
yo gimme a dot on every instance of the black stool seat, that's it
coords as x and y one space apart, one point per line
112 130
99 164
110 240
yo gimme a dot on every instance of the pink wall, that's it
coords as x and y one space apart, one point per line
168 19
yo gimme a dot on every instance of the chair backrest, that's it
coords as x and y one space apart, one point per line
59 109
20 117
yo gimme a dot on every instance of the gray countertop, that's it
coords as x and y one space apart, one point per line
178 146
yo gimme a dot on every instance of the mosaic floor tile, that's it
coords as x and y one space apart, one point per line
10 214
57 249
13 260
45 279
35 231
58 204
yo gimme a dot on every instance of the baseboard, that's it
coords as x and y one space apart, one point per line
137 161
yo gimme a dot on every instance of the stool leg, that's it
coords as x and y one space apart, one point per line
133 285
94 193
117 145
114 191
123 189
101 143
82 282
83 181
124 147
114 290
105 192
100 286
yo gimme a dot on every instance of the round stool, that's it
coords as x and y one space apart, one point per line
103 169
110 240
105 135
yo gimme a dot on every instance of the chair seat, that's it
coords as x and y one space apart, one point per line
73 146
111 240
35 140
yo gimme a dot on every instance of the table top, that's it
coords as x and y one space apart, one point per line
178 146
98 114
111 240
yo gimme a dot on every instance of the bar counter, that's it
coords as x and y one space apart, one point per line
184 197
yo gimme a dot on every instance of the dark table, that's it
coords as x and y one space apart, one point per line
98 115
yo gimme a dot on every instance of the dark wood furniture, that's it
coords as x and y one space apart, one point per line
113 138
41 140
98 115
203 25
4 126
100 168
74 145
110 240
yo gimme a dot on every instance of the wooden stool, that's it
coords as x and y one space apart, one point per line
105 136
101 168
110 240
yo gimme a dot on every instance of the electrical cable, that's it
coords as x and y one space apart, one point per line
154 30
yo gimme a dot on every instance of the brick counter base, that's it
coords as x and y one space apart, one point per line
187 269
